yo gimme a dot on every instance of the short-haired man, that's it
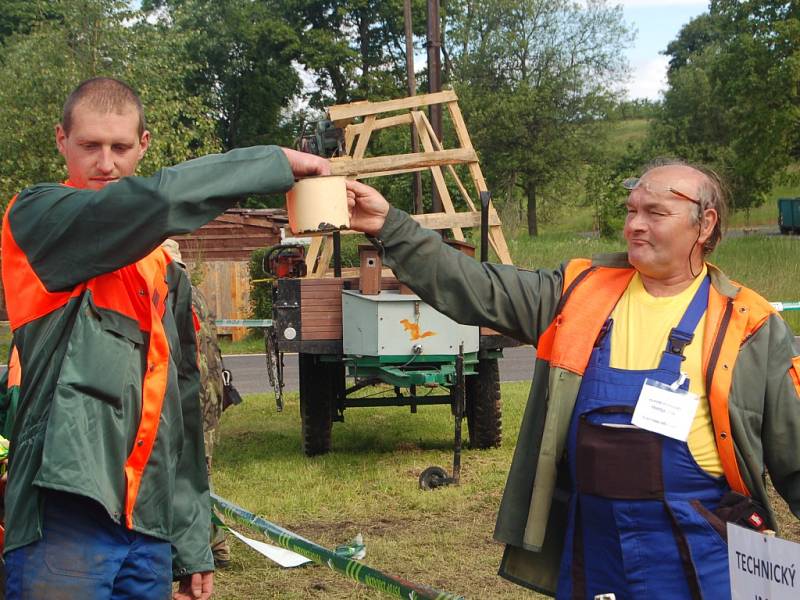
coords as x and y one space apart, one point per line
705 368
107 494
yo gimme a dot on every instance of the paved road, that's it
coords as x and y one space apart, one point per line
250 375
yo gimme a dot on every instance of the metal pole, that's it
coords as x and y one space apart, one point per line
337 254
360 572
412 91
435 82
460 393
485 200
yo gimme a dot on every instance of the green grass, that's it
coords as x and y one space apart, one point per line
252 344
626 131
368 484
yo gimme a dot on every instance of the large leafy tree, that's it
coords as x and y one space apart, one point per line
733 99
19 16
91 38
244 56
354 49
534 78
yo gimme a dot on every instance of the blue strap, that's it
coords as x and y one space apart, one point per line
683 333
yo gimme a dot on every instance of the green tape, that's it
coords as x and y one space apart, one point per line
392 586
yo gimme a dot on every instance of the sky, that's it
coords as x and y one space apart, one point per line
657 23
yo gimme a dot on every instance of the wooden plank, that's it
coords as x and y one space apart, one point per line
320 335
349 166
313 253
344 112
320 309
324 258
447 221
438 146
496 236
436 171
363 138
500 247
317 283
392 172
404 119
352 274
329 322
319 295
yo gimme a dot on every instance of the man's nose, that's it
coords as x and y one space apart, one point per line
635 222
105 161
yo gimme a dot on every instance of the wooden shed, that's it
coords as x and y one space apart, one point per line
219 252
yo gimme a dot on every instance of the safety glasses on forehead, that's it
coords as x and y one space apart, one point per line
631 183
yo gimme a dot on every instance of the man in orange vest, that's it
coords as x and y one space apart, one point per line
107 493
662 392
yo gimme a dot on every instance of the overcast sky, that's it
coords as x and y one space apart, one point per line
658 23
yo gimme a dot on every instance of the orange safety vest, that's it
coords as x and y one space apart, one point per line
138 291
590 294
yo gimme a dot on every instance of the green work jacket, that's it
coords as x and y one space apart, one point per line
762 404
76 296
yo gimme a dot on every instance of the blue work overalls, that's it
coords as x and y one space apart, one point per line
636 526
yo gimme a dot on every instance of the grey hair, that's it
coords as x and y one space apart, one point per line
713 193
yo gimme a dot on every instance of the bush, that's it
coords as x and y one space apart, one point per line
260 287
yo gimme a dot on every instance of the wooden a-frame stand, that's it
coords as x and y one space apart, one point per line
433 157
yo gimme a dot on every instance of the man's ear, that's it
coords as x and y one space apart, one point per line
709 221
61 139
144 143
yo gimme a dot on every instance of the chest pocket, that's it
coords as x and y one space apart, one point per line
103 358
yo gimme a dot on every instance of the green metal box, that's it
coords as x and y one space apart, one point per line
401 325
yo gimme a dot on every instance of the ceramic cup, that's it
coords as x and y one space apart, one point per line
318 204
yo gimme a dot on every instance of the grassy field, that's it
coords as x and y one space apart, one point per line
368 485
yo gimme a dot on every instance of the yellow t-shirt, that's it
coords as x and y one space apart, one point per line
641 327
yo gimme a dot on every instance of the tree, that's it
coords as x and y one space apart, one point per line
534 78
244 57
18 16
93 37
733 100
354 49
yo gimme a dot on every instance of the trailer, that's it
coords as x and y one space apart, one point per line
360 328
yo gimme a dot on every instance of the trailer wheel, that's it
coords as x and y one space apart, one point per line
318 384
484 409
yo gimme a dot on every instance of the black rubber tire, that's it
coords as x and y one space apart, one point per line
432 478
318 384
484 408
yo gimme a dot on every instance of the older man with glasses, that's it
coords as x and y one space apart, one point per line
662 392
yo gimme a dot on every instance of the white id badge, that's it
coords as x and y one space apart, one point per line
665 409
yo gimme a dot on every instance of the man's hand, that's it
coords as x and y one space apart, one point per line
197 586
307 165
368 209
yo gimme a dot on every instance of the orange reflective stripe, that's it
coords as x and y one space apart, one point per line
544 348
27 297
583 315
748 313
794 373
14 369
153 270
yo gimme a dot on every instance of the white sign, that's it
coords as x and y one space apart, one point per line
664 410
282 556
762 567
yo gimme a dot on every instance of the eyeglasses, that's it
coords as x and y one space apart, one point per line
631 183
